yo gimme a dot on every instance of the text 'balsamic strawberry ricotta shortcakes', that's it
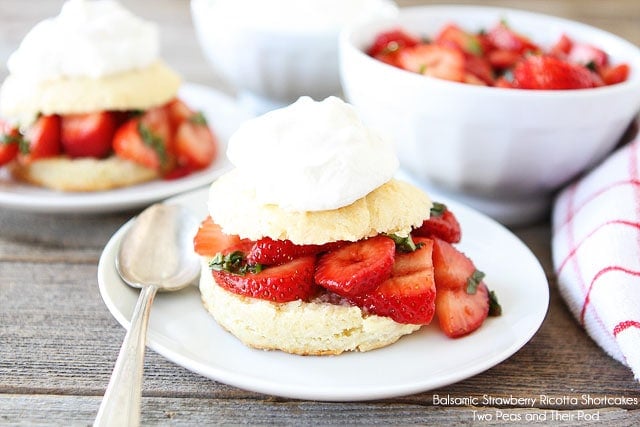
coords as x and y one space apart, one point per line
312 246
89 105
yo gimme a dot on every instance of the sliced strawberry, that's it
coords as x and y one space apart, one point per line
501 59
178 112
462 301
433 60
548 72
480 68
146 140
586 54
452 35
615 74
408 296
88 135
441 224
286 282
358 267
562 47
268 251
42 139
460 313
195 145
210 240
10 140
503 37
391 41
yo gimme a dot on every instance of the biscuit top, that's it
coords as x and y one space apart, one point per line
311 156
87 39
394 207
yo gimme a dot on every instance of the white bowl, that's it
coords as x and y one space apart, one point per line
504 151
275 51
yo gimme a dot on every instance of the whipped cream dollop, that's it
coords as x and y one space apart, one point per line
311 156
87 39
298 14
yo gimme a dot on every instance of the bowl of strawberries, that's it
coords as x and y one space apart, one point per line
495 107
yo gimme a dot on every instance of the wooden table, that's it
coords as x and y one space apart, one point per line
58 342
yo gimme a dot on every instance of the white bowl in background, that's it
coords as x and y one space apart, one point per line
504 151
275 51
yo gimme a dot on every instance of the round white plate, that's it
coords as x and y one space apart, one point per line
182 331
224 117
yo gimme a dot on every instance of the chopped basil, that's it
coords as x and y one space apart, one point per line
422 69
153 141
591 65
23 144
474 47
198 119
234 262
495 309
404 243
438 209
473 281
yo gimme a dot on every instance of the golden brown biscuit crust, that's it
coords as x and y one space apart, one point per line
130 90
394 207
82 174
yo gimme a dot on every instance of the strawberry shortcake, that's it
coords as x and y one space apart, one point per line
88 104
312 246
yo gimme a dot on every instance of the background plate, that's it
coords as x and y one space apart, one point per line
224 117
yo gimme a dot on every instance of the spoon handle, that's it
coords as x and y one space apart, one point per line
121 403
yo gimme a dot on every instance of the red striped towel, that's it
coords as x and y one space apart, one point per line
596 253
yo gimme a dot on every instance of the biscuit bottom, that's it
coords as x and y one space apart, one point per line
304 328
82 174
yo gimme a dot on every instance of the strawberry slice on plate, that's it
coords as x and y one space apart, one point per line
408 296
442 224
10 140
357 267
462 299
195 145
210 240
42 139
146 140
88 135
282 283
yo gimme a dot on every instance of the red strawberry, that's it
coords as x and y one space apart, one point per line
503 59
460 313
286 282
146 140
387 45
462 300
480 68
615 74
268 251
453 36
433 60
357 267
43 138
178 112
210 240
586 54
88 135
548 72
9 142
195 145
503 37
562 47
408 296
441 224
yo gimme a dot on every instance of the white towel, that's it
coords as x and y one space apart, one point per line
596 253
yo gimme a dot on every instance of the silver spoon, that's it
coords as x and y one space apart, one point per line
156 253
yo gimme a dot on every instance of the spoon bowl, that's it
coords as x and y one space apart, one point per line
155 254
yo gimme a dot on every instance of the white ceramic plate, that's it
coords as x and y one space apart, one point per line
223 115
181 330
